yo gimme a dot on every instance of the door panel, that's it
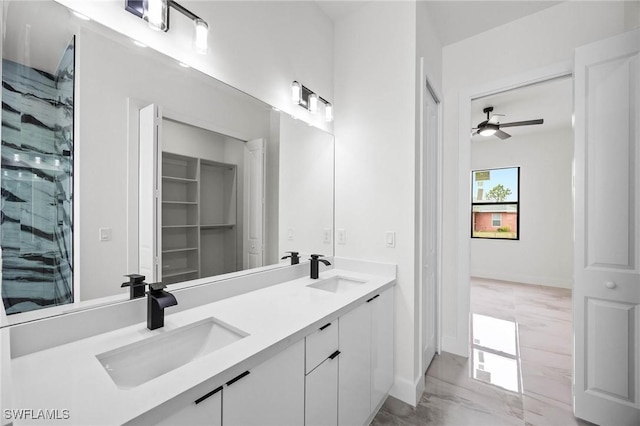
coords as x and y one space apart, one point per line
429 224
254 202
149 211
607 189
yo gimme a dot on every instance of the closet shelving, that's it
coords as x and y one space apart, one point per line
199 216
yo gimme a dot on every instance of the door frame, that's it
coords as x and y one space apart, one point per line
460 343
426 85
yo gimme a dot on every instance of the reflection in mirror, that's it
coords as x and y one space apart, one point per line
219 149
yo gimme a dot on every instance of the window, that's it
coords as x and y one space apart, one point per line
496 219
495 206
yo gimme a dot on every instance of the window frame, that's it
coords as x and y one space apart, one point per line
501 203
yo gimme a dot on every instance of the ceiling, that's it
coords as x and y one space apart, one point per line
551 100
455 20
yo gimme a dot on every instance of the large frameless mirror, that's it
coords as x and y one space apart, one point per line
234 176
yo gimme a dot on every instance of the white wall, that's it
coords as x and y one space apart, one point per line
543 39
259 47
376 69
305 188
544 253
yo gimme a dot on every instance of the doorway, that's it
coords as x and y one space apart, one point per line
521 245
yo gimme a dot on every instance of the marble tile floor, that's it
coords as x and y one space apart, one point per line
521 364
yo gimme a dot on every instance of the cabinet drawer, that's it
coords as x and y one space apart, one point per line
321 344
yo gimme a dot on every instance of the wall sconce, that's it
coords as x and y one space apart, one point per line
303 96
156 13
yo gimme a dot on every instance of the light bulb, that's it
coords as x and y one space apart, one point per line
296 92
328 112
156 14
313 103
201 36
488 132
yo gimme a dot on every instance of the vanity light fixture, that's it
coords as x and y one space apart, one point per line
306 98
156 13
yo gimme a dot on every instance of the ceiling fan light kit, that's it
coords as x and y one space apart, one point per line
491 126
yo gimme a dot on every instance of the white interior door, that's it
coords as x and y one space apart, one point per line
150 181
254 203
606 297
429 227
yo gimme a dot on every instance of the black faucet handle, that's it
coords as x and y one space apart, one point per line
294 255
137 284
316 256
134 280
157 286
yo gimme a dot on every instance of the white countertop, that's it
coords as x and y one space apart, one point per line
70 377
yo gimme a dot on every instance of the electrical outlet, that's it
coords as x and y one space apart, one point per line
341 236
290 234
327 235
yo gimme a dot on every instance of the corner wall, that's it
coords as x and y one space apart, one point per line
543 39
376 69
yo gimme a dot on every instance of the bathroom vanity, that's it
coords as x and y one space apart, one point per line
302 351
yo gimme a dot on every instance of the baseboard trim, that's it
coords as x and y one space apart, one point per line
525 279
406 391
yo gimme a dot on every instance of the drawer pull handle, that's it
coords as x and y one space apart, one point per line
377 295
335 354
325 326
235 379
213 392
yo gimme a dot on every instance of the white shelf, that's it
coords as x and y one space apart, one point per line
178 179
180 202
178 250
177 272
199 208
218 226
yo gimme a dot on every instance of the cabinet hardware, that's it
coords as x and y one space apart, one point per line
335 354
377 295
235 379
325 326
213 392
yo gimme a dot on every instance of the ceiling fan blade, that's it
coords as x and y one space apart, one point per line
522 123
495 118
502 135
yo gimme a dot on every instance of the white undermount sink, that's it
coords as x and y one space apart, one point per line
137 363
337 284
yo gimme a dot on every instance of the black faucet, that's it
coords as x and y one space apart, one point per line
157 300
295 257
136 285
315 264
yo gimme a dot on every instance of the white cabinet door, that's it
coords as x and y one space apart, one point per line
321 394
606 291
206 412
354 391
382 350
271 394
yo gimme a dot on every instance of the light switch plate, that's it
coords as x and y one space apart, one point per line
105 234
341 236
390 239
